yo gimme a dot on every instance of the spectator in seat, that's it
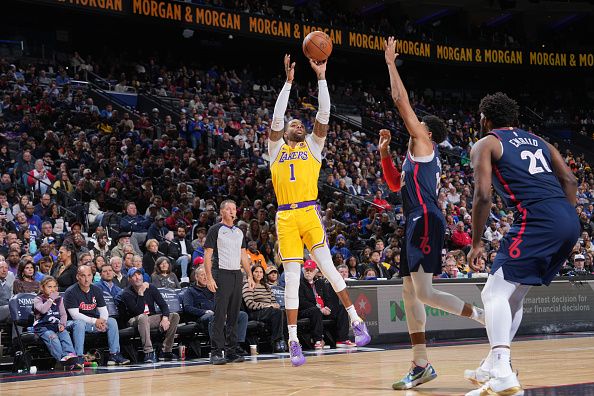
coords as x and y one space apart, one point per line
460 238
45 250
340 247
65 272
106 282
88 314
157 230
579 268
13 260
343 270
491 232
176 219
314 303
450 269
199 302
119 278
20 223
180 249
50 323
32 218
255 256
137 224
162 276
354 269
98 263
136 306
271 276
46 265
6 282
40 178
25 281
263 307
150 257
382 270
123 241
101 248
381 203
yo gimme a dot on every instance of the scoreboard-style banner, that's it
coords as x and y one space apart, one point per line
200 17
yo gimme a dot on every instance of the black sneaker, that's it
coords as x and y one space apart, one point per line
240 351
168 356
150 357
117 358
233 357
216 358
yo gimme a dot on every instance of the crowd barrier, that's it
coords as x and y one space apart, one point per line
567 305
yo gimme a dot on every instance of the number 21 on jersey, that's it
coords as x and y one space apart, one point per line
534 158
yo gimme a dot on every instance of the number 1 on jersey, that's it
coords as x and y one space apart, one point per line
292 166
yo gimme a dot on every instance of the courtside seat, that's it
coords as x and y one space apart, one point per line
27 346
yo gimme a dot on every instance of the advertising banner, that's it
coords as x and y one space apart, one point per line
218 19
563 306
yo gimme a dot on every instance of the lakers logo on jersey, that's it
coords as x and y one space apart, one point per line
296 155
295 173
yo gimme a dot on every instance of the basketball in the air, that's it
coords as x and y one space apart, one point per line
317 46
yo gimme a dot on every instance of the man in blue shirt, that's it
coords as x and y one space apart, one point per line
106 282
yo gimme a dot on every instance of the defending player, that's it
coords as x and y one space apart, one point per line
425 224
530 175
295 167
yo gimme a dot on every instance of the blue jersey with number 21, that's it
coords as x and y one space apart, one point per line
524 173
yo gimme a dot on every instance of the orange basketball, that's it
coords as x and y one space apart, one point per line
317 46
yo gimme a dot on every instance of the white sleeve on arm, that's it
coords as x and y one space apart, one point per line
76 315
278 117
103 312
323 115
316 145
274 148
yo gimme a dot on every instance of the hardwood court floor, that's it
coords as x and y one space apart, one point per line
541 363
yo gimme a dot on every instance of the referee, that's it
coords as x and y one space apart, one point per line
224 253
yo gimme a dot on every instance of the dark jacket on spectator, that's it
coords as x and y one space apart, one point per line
67 278
154 232
130 304
148 261
173 248
197 300
307 298
136 223
169 281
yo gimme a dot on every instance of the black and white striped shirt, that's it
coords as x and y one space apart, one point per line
226 243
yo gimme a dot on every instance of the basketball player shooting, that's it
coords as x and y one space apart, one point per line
295 167
530 175
425 223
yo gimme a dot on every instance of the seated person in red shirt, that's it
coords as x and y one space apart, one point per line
381 202
317 301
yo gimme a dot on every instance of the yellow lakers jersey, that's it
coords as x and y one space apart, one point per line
295 171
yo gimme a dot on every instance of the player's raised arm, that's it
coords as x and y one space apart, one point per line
564 174
399 94
277 128
323 116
